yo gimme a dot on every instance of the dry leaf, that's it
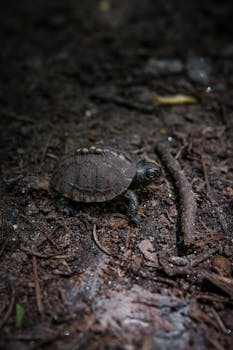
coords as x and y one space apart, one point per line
147 249
178 99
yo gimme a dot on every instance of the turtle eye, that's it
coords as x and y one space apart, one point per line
151 174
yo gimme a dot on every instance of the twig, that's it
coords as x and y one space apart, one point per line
4 245
220 322
141 107
10 308
174 265
221 217
202 257
217 237
22 118
223 283
37 286
5 233
32 224
50 240
165 280
222 112
44 256
63 256
124 102
97 242
211 297
37 254
51 156
215 343
187 199
196 313
214 236
208 189
44 150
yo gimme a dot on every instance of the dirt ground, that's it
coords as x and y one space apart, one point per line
154 78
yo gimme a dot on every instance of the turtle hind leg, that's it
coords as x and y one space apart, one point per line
133 206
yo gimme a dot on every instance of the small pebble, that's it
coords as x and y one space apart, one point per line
209 89
106 91
157 67
198 70
227 51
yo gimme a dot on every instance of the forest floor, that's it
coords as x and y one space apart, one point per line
154 78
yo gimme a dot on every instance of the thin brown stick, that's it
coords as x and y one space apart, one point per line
165 280
37 254
221 282
44 256
221 217
208 189
222 327
203 256
124 102
4 245
210 297
187 198
40 305
213 236
50 239
97 242
215 343
10 308
5 233
44 151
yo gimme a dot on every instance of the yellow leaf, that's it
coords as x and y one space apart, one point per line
178 99
104 5
163 131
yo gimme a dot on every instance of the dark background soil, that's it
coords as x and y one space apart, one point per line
75 73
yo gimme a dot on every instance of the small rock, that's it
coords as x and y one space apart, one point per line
198 70
20 151
227 51
136 139
105 92
64 206
25 130
157 67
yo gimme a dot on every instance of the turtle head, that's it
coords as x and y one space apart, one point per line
146 173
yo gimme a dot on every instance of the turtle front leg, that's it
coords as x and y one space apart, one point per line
133 206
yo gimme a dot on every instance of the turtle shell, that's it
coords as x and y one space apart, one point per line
93 174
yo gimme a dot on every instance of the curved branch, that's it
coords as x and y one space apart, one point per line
187 198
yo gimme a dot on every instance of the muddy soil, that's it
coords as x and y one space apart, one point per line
153 78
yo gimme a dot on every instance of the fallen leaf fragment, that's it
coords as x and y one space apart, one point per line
222 265
178 99
19 315
147 249
230 191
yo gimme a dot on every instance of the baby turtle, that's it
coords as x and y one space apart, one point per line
101 173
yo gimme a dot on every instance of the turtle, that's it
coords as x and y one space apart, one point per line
101 173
